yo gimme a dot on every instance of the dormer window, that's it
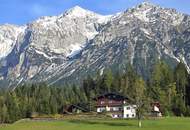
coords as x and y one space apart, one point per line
110 101
102 102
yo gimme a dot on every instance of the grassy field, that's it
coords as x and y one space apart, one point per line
159 124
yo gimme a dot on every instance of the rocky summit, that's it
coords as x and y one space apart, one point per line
66 48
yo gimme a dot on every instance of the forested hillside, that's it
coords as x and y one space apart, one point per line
170 87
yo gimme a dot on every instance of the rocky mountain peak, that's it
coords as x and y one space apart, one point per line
145 5
76 9
77 12
148 4
150 13
56 49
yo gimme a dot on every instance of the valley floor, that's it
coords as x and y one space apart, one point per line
159 124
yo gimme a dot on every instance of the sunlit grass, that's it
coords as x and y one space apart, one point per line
159 124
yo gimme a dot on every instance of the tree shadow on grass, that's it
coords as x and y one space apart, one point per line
100 123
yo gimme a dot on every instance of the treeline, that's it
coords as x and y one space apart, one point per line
170 87
37 98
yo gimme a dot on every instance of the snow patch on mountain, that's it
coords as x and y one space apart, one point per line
75 24
47 21
145 31
77 11
8 38
51 46
74 50
142 15
42 53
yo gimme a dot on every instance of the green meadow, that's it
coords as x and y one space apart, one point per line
158 124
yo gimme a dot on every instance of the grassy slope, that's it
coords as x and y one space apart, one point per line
162 124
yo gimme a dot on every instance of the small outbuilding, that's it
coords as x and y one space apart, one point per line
156 110
75 109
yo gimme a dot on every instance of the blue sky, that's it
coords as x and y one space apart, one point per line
23 11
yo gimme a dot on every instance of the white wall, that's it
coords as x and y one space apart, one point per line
101 109
129 111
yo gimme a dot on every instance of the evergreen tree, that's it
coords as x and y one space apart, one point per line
161 85
108 80
181 78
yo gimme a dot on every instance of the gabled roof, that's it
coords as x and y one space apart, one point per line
82 107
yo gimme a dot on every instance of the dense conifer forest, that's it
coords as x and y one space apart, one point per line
168 86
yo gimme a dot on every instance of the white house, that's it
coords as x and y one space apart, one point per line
115 105
129 111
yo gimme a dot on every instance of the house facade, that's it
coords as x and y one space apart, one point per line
129 111
156 112
115 105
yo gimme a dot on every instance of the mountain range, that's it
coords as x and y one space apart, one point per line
68 47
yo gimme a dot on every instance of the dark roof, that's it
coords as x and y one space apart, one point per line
77 106
111 96
155 104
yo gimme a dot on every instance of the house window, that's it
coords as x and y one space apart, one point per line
115 116
116 109
101 109
127 115
133 115
102 102
110 101
128 108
